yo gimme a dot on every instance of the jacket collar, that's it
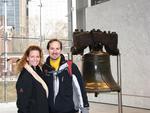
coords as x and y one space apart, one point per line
62 61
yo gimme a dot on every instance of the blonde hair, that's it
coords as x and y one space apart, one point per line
23 60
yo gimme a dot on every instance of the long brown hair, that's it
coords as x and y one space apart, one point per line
23 60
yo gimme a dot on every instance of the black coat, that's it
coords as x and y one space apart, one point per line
31 96
64 99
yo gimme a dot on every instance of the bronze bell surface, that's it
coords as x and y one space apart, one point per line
97 73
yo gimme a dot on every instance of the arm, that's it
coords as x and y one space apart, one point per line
78 75
24 92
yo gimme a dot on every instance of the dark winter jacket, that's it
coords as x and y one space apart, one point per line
63 101
31 96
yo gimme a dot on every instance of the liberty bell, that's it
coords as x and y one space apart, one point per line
97 73
96 68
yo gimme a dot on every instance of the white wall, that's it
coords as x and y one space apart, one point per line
80 13
131 20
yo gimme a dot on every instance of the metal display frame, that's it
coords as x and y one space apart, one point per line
120 108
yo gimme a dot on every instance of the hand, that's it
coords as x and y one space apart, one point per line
85 110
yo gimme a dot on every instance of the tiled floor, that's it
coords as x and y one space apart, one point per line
94 108
106 108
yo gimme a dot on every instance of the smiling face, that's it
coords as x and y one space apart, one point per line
54 50
34 58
